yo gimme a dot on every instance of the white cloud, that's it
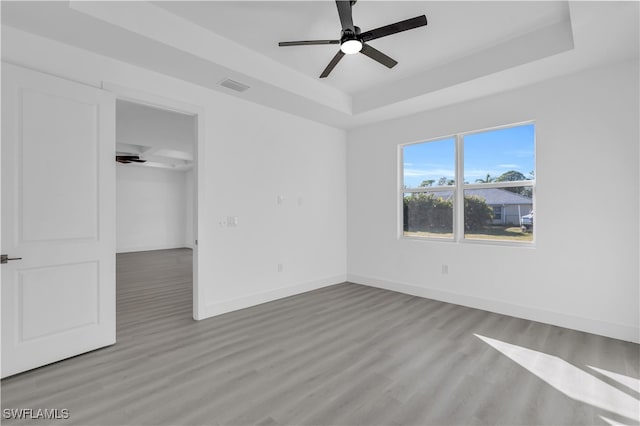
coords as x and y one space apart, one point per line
438 173
482 173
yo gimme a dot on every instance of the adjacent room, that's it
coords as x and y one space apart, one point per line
320 213
154 216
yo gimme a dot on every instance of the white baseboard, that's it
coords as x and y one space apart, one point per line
602 328
267 296
150 248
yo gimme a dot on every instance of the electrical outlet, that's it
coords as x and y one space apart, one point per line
445 269
280 267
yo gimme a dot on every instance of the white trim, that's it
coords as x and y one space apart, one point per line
468 132
427 189
268 296
492 185
152 248
502 126
400 194
603 328
428 238
506 184
458 203
436 139
155 101
139 97
505 243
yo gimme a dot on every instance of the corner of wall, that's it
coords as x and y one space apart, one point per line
230 305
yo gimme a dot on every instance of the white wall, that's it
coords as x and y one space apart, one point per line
141 125
189 231
151 208
583 272
250 154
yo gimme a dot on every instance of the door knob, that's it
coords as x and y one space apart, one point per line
4 258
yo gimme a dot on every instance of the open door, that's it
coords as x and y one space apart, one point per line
58 218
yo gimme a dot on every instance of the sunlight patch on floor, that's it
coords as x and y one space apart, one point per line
569 379
630 382
612 422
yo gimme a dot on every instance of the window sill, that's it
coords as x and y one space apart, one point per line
498 243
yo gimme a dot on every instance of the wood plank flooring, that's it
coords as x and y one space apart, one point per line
342 355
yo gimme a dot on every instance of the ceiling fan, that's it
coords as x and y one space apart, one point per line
353 41
129 158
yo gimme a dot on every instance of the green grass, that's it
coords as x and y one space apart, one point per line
431 233
492 232
500 233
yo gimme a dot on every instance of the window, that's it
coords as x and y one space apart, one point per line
472 186
497 213
429 175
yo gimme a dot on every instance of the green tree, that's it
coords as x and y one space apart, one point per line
487 180
444 181
428 182
431 212
477 213
424 212
511 176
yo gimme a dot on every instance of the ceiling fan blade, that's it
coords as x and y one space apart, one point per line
307 42
346 17
126 159
332 64
378 56
408 24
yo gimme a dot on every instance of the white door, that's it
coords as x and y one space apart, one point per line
58 216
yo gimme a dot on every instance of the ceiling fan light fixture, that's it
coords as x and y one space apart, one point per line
349 47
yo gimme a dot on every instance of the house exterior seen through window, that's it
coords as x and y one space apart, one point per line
476 186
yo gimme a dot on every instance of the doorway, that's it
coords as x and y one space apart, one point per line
58 146
156 189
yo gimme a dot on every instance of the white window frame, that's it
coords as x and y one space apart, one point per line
459 188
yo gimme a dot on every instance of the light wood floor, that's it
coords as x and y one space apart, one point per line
342 355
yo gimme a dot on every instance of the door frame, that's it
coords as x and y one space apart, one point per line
152 100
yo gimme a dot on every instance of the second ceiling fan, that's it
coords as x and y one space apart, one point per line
353 41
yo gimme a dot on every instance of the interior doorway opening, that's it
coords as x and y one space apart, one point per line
156 211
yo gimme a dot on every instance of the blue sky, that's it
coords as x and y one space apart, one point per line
493 152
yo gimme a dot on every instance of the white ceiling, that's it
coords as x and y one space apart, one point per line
454 30
468 49
162 138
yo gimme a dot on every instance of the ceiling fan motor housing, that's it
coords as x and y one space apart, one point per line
347 34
